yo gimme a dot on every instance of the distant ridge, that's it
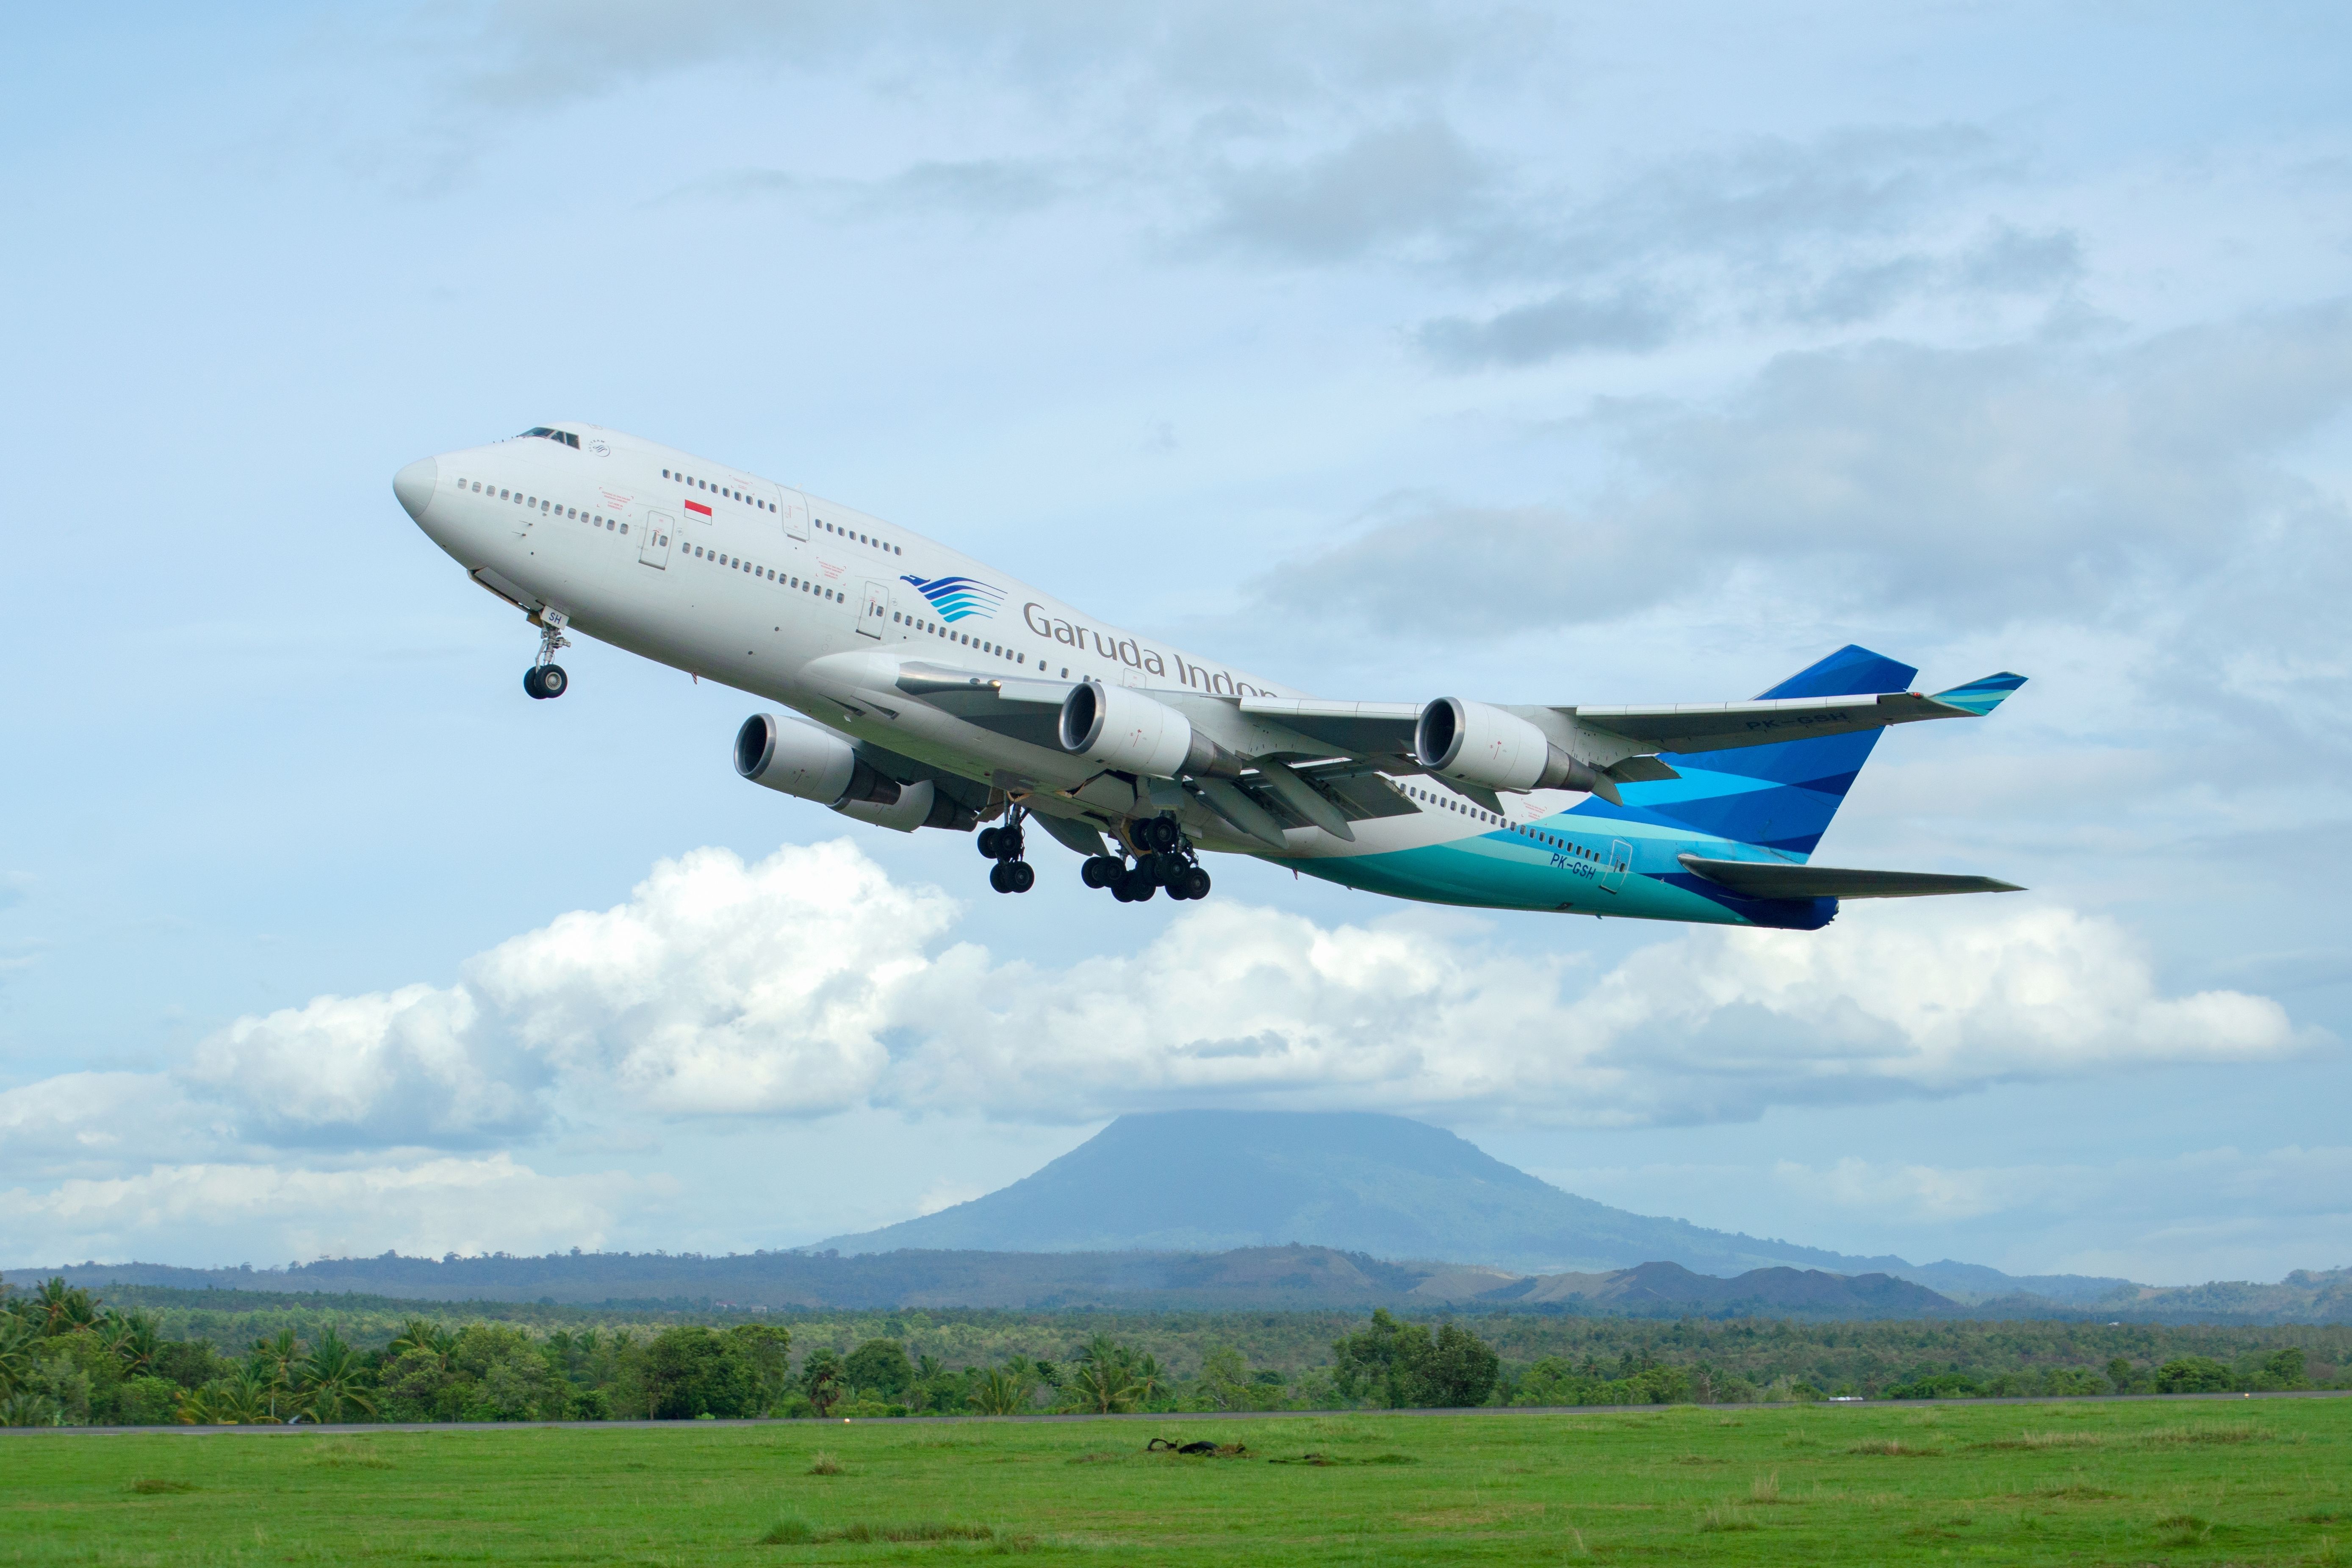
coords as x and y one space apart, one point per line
1208 1181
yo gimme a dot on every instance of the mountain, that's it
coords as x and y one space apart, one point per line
1209 1181
1287 1279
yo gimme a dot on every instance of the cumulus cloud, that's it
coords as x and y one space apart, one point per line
809 982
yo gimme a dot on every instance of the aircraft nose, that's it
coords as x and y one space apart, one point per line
414 485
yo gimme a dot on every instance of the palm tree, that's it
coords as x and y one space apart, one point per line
332 1380
248 1399
1001 1391
28 1409
1150 1381
821 1380
62 1308
1106 1377
422 1334
133 1337
19 1344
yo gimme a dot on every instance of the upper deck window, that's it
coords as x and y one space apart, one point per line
566 436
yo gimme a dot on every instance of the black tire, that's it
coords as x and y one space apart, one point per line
531 685
1137 887
1118 889
1101 870
1000 875
1168 868
1019 876
1160 834
1193 883
986 844
553 681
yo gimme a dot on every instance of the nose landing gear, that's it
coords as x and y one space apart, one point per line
1164 857
546 678
1011 874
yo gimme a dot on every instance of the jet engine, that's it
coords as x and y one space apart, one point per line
1123 729
803 760
1482 744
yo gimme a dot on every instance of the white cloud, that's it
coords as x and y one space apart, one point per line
810 983
403 1066
427 1206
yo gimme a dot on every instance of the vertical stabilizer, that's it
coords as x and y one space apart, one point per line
1781 796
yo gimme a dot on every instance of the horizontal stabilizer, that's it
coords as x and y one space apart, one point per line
1777 879
1981 696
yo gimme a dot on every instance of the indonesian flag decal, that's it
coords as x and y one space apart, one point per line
698 506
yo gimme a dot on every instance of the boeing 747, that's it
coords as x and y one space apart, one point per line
933 691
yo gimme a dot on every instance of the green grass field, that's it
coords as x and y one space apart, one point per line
2170 1482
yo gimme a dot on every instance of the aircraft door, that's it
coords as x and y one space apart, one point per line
1620 861
793 508
654 549
876 615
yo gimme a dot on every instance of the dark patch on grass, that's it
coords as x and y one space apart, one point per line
1894 1447
2072 1494
1698 1459
824 1464
1320 1460
343 1454
2183 1530
2326 1516
2209 1432
801 1533
152 1486
1724 1517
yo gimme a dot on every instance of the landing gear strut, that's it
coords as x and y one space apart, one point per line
1011 874
545 678
1164 857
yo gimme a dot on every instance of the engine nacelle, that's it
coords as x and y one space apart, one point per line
1482 744
802 760
1116 728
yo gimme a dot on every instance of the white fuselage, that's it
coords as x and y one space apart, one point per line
819 607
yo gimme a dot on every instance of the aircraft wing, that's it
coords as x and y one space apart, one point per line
1382 732
1777 879
1718 726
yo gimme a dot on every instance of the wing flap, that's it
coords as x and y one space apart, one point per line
1349 728
1776 880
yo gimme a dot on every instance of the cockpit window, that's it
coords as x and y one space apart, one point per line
566 436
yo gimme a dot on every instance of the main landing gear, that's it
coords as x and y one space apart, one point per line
1163 858
546 678
1011 874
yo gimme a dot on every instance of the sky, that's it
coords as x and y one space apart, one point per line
1525 353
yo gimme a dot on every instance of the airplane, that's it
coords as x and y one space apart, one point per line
934 691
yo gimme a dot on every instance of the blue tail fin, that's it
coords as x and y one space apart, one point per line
1779 796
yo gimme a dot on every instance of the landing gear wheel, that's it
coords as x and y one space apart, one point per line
987 843
1000 875
1136 886
1160 834
545 678
1192 884
1102 870
1019 876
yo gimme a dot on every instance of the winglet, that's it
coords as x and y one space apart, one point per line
1981 696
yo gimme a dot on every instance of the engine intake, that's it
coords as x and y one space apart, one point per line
1126 732
800 759
1482 744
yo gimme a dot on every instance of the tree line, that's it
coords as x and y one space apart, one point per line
66 1357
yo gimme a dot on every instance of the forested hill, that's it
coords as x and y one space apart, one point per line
1208 1181
1282 1279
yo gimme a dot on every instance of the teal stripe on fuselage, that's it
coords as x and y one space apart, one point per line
1507 869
